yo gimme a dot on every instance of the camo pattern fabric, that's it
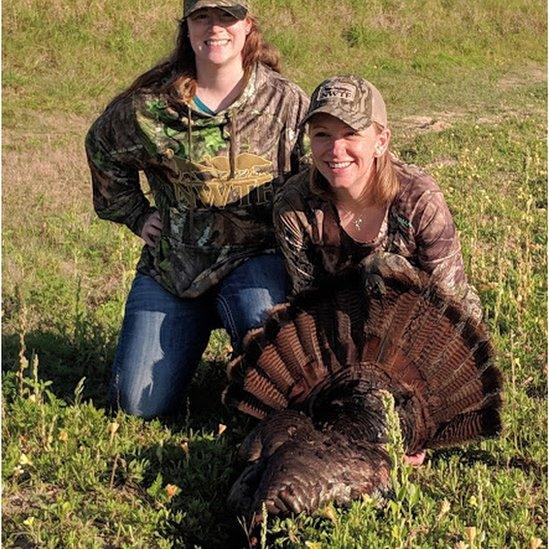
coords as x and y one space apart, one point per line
352 99
417 226
238 9
213 178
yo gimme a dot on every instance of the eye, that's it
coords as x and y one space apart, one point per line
227 17
319 133
353 134
198 16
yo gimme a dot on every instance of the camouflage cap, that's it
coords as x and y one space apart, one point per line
236 9
352 99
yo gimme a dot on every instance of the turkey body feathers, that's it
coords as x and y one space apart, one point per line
318 366
291 475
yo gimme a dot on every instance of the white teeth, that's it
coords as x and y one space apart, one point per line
217 42
338 165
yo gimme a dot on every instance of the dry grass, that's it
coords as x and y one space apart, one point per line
48 177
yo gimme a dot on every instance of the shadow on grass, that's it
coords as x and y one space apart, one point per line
203 465
203 473
64 361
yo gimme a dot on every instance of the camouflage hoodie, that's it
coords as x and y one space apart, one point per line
213 178
417 226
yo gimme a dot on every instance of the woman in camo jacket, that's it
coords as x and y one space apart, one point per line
358 203
214 128
358 206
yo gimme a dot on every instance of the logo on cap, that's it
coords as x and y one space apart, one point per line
339 91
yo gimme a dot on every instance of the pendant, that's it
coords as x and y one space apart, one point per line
358 223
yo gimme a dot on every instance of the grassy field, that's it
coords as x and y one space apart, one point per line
466 90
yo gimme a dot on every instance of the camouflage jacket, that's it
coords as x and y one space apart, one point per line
213 178
417 226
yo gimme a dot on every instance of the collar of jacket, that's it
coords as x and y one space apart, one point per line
199 118
249 91
191 118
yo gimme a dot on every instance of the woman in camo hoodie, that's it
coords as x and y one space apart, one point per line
214 128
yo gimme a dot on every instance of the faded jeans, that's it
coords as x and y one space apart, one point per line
163 336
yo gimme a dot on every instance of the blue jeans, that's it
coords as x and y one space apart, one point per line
164 336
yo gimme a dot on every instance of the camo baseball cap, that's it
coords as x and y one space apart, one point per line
352 99
236 9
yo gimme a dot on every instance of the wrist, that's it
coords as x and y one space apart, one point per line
139 224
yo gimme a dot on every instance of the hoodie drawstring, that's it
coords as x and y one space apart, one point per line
190 155
232 144
190 133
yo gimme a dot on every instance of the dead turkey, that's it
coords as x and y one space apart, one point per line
315 374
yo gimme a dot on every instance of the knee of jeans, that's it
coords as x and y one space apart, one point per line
260 303
145 409
138 401
245 313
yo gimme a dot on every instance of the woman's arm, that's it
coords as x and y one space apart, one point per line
439 249
115 156
294 242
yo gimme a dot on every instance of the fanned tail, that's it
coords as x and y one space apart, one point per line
315 374
411 339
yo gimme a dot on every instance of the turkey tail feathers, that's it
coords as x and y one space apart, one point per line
411 339
468 426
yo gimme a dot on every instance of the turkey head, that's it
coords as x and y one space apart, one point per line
314 375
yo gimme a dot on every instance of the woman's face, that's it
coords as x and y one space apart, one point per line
345 157
216 36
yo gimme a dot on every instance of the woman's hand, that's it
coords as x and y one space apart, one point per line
152 229
415 460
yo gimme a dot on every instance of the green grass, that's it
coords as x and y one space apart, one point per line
467 99
72 57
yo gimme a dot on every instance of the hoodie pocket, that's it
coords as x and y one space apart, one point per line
227 228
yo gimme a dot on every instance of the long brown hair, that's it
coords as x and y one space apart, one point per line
385 184
176 75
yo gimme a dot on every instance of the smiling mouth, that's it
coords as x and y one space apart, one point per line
214 43
338 165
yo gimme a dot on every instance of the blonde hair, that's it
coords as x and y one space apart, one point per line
384 186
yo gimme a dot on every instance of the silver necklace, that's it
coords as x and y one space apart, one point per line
357 221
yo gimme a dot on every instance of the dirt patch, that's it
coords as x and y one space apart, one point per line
43 123
24 501
419 124
530 75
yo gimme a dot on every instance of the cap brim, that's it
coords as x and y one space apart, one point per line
238 12
327 110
